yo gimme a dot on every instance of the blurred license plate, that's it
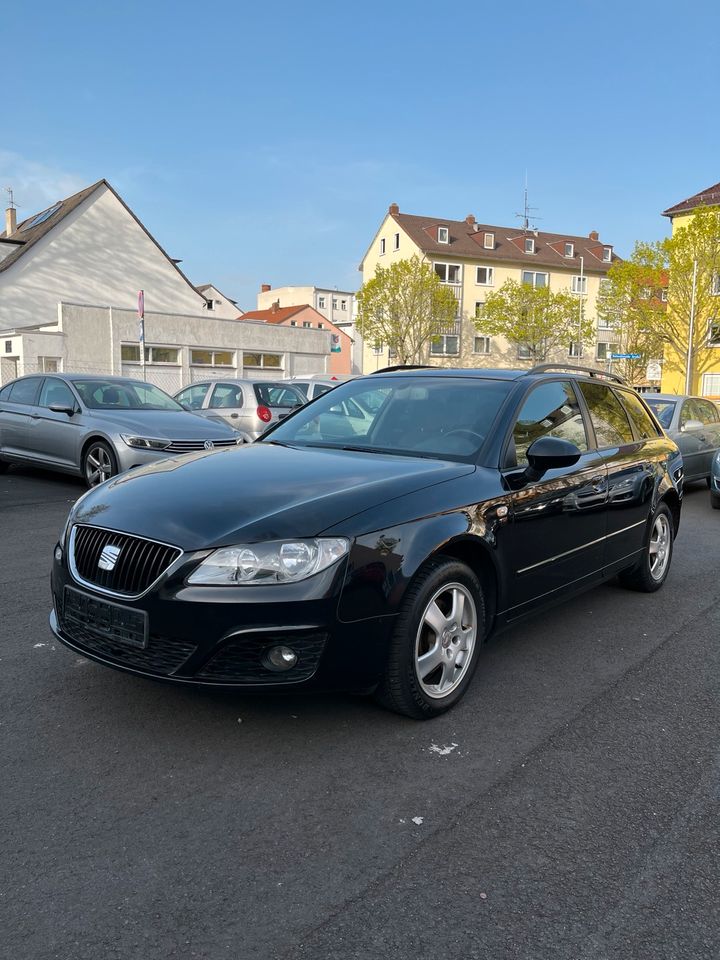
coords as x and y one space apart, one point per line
110 621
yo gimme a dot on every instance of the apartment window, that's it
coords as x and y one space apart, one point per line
130 353
392 353
481 345
569 249
449 272
575 350
446 345
579 285
210 305
335 303
604 350
524 352
382 246
645 293
714 288
485 276
321 326
396 242
343 304
534 279
293 323
529 245
212 358
321 303
443 235
263 360
664 295
479 307
306 324
377 349
714 333
49 364
8 346
604 286
607 254
489 241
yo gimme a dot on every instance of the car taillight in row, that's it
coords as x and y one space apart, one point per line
264 414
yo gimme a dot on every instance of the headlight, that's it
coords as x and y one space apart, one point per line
145 443
280 561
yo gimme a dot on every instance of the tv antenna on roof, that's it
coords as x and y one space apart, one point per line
526 216
11 195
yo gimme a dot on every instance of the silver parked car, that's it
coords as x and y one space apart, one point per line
248 406
313 386
97 426
694 424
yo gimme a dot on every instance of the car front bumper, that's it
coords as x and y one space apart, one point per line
220 636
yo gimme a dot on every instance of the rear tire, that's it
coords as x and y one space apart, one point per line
652 570
436 643
99 463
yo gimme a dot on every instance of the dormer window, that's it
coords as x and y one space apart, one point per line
489 241
607 254
569 249
529 245
443 235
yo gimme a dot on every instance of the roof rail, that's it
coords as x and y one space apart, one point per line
590 371
405 366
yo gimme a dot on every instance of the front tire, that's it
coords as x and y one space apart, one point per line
436 643
715 501
652 570
99 463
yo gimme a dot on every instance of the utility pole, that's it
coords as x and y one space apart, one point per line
691 332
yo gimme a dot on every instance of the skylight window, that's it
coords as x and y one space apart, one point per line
443 235
42 217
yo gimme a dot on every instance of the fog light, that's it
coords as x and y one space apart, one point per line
280 658
58 553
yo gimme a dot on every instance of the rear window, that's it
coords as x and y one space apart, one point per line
278 395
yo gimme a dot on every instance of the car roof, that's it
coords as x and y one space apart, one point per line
497 373
673 396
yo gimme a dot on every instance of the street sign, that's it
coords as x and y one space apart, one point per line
625 356
141 316
654 370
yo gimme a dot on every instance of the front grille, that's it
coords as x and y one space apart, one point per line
138 564
241 659
162 655
190 446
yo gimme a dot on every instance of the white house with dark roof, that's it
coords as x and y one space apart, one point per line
69 282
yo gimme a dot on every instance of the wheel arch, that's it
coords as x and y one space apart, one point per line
92 438
473 553
671 498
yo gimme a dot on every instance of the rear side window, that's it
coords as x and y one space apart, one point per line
193 396
5 392
641 419
707 411
277 395
320 389
688 412
551 410
24 391
226 395
608 416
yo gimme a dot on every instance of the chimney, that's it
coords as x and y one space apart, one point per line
276 305
594 235
393 208
10 221
265 287
470 220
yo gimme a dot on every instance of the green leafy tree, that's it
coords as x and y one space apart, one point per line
543 322
632 306
688 264
406 307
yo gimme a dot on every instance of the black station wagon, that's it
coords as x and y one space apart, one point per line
373 539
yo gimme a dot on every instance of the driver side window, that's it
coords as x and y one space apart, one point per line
551 410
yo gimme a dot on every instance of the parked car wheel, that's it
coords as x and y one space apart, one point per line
715 501
99 463
654 566
436 643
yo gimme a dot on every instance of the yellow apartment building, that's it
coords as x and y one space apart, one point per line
475 259
708 360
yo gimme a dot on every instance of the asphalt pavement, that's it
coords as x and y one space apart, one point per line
567 809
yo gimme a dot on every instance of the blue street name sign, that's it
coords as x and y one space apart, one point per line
625 356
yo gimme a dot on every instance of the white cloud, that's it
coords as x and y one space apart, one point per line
35 185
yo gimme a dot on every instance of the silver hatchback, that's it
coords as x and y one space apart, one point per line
248 406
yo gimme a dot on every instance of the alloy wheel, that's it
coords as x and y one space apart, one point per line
98 466
659 547
445 640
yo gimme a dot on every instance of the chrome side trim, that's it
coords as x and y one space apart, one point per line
70 553
583 546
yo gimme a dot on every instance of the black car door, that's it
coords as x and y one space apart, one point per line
631 456
554 537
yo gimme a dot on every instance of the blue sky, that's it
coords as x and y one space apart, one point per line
263 143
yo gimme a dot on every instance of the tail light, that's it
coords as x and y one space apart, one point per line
264 414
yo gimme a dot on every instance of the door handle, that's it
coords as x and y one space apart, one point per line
234 416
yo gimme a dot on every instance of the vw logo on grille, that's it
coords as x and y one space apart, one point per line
209 445
108 558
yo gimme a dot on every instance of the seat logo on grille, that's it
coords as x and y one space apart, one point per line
209 445
108 558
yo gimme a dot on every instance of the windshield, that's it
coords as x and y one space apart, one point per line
663 410
278 395
443 417
123 395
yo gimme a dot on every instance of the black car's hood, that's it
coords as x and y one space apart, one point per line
255 492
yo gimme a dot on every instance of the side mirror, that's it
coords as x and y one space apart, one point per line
62 408
549 453
692 425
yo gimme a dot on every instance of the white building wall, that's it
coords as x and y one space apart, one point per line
98 254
